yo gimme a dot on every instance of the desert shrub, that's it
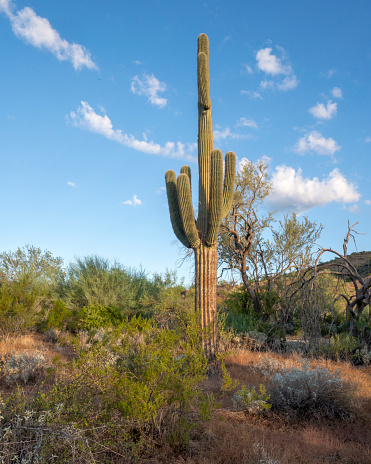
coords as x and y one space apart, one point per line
31 436
23 368
95 316
58 316
93 280
250 400
339 347
304 393
27 284
140 382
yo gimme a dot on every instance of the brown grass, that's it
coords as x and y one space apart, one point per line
236 438
233 437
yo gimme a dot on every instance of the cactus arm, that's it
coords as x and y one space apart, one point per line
175 217
186 210
216 197
186 170
229 181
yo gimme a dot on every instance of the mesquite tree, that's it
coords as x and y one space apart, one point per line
214 202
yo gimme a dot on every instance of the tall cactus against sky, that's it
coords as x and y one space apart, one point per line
214 202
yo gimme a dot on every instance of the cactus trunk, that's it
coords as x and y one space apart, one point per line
214 202
205 298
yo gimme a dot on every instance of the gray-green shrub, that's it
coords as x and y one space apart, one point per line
304 393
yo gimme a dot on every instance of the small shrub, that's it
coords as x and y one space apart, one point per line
304 393
95 316
23 368
251 400
339 347
51 335
58 316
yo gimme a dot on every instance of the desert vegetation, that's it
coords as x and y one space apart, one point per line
102 363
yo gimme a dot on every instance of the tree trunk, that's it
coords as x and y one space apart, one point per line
254 297
205 299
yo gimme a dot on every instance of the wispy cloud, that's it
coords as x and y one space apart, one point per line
314 141
244 122
320 111
71 184
293 191
252 95
86 118
329 73
226 133
367 139
336 92
133 202
353 208
368 202
248 69
276 67
38 32
150 87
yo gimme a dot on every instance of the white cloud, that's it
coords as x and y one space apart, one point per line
269 63
226 133
248 69
353 208
86 118
252 95
71 184
368 202
289 83
134 202
320 111
150 87
274 66
336 92
266 84
292 191
160 190
329 73
314 141
6 6
244 122
38 32
367 139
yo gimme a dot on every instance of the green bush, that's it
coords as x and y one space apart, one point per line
94 316
140 382
250 400
339 347
58 316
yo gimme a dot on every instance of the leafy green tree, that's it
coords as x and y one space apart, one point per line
93 280
28 278
261 249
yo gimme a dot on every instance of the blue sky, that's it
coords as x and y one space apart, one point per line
99 99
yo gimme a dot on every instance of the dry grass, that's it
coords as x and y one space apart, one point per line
33 342
236 438
233 437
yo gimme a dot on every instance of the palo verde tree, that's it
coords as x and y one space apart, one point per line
261 250
214 202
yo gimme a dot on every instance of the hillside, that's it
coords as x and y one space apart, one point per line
361 260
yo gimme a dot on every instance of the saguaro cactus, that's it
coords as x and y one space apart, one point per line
214 202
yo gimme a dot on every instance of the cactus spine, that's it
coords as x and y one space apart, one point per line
214 202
